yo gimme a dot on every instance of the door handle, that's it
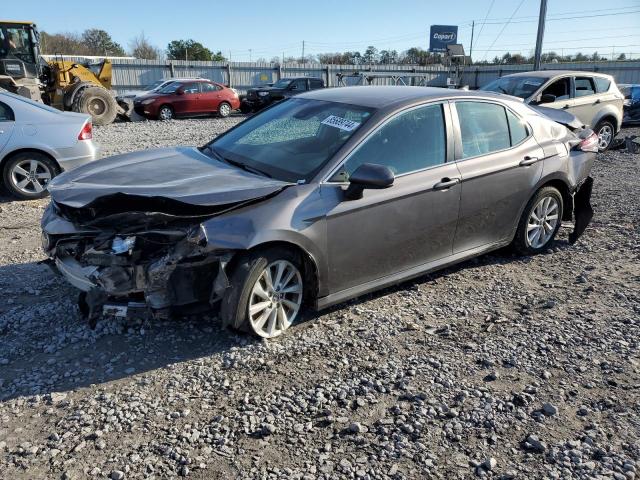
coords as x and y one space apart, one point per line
446 183
565 107
528 161
597 102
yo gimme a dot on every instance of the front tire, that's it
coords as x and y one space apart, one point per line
540 222
606 132
26 175
165 112
266 293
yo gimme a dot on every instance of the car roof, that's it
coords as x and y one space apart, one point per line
555 73
388 96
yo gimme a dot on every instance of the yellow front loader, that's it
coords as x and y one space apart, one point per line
60 83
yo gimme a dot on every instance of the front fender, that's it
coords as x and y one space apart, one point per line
240 234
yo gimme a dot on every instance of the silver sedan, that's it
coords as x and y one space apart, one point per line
38 142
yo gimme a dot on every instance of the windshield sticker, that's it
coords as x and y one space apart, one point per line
341 123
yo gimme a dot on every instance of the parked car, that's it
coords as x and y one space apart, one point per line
37 142
261 97
631 113
593 98
318 199
152 87
187 98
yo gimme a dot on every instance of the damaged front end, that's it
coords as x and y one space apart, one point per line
158 267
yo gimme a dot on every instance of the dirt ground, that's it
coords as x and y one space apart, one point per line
501 367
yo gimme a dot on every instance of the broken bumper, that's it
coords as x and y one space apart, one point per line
164 270
582 209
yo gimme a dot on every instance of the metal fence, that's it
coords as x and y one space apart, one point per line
131 74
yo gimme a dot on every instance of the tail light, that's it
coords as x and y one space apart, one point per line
87 131
589 143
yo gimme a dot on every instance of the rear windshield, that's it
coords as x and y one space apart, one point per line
522 87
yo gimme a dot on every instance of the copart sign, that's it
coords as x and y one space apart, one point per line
441 36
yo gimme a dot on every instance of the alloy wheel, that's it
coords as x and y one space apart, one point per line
166 113
605 135
224 110
542 222
275 299
30 176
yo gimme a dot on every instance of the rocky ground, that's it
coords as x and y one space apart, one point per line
502 367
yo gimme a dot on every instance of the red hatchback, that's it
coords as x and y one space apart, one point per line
187 98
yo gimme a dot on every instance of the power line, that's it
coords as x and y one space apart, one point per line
503 28
485 19
612 11
567 18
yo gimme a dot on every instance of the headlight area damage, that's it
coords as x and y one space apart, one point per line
137 264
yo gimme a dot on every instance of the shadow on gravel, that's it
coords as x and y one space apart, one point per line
52 350
45 347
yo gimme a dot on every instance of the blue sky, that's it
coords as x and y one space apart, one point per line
273 27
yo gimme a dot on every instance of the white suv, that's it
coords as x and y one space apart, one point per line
592 97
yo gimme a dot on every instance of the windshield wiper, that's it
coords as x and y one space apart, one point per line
235 163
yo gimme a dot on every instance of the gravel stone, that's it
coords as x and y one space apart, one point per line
458 373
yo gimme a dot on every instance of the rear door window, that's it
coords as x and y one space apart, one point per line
584 86
483 128
6 113
561 89
209 87
316 84
517 129
602 84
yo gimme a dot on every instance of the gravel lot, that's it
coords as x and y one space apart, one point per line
502 367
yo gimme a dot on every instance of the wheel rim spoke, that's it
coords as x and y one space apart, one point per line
37 186
258 307
23 183
20 171
275 299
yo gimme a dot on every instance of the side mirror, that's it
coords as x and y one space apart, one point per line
180 91
368 175
293 87
547 98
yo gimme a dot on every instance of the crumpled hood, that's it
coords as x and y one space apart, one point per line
181 174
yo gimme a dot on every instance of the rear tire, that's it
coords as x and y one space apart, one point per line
540 222
246 108
264 304
97 102
606 132
224 109
27 174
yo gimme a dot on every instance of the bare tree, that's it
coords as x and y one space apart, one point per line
140 47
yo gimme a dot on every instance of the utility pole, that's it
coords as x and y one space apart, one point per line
303 51
473 26
539 38
282 58
186 54
249 55
229 55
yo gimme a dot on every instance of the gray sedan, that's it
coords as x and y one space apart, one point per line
37 142
318 199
